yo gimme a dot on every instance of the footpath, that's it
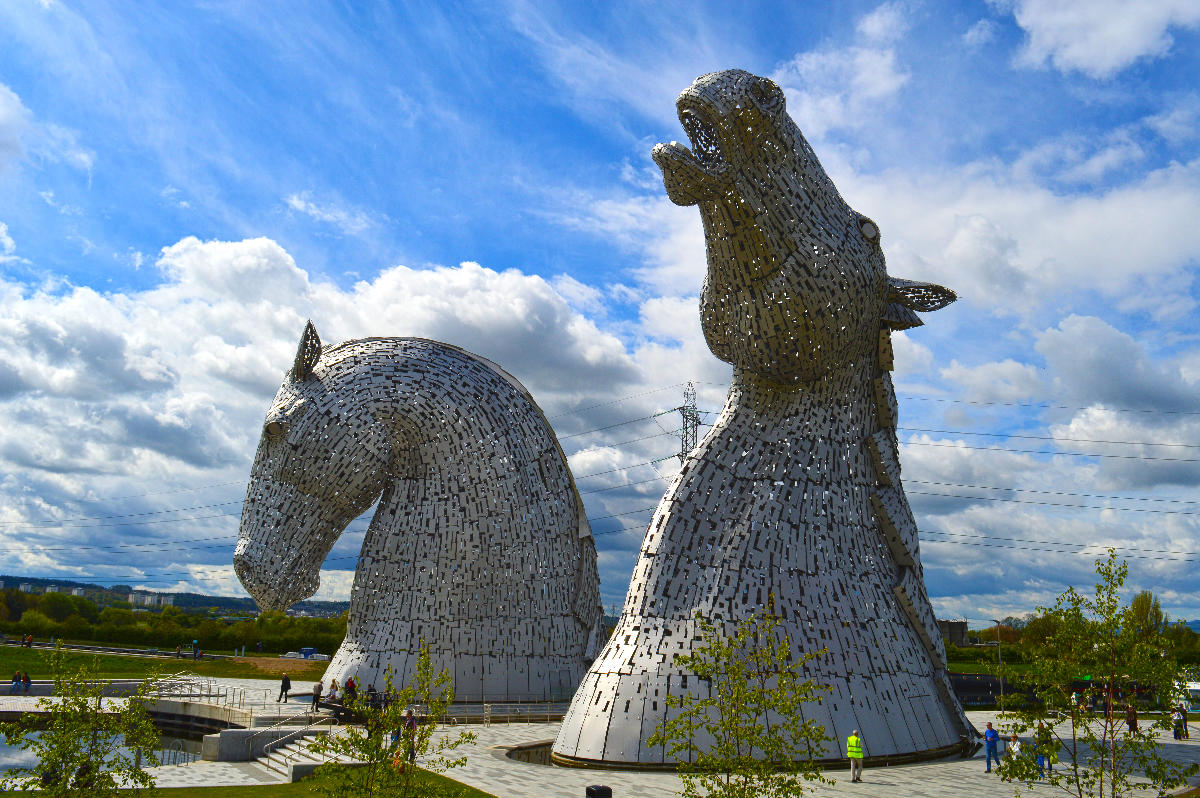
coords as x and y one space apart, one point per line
490 769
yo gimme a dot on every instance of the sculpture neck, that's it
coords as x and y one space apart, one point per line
838 406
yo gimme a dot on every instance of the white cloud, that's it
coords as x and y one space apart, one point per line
1100 37
1005 381
1013 245
1082 353
839 88
886 23
15 120
7 245
21 135
166 386
349 221
1178 124
979 34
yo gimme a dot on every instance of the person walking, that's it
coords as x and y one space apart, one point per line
1176 723
317 689
285 687
410 734
991 741
1046 750
854 752
1131 718
1183 711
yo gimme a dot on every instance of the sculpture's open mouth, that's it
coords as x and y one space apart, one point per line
706 142
693 175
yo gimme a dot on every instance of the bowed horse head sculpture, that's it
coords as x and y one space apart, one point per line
307 485
479 549
793 498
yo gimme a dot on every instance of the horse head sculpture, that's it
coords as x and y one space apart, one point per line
479 548
793 498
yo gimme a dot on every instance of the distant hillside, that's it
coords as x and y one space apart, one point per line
227 604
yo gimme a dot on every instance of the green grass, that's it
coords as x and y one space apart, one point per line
117 666
308 787
979 667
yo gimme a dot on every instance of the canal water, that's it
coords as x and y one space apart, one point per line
172 751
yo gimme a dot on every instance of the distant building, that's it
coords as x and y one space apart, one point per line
953 632
25 587
76 591
150 599
51 589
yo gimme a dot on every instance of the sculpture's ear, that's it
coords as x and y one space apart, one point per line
307 354
906 296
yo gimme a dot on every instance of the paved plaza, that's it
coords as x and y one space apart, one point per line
490 770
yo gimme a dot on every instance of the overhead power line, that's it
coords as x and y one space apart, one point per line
1054 504
1049 405
1055 492
1036 451
1044 437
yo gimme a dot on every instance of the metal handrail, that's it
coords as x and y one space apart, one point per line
275 726
287 759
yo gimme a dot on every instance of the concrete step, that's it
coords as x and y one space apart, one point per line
281 759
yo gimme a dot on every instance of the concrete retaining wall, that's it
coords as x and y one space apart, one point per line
243 745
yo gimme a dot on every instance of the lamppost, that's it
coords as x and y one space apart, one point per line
1000 656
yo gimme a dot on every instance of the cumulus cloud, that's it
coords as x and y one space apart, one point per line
839 88
1005 381
1010 243
167 386
1082 353
1098 38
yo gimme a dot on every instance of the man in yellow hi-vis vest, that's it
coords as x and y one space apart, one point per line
854 751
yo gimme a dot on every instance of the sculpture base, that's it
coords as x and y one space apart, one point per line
963 749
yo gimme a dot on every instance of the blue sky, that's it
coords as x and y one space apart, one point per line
181 186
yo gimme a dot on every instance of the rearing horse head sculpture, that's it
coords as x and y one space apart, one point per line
479 549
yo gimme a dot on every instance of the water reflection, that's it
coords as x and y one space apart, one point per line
172 751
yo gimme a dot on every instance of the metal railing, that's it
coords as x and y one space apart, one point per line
302 748
175 754
182 685
288 720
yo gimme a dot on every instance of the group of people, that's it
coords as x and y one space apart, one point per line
1046 749
20 682
348 694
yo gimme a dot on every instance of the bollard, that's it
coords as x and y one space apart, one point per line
598 791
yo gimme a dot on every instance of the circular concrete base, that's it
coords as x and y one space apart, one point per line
962 750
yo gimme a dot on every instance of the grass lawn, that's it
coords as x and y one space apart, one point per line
306 787
979 667
117 666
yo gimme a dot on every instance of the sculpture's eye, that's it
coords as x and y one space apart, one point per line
275 430
869 230
766 93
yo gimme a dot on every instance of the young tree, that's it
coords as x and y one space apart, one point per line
386 769
88 746
748 736
1128 662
